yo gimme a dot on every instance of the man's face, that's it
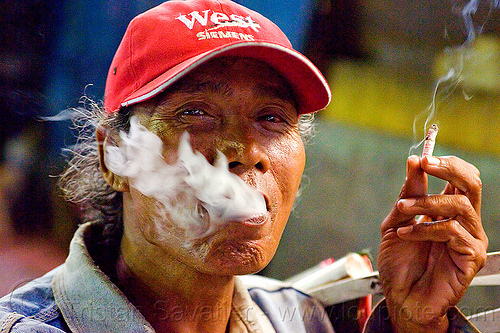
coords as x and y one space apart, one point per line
245 110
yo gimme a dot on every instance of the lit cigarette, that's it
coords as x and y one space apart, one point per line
430 141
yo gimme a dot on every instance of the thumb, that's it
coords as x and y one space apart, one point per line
415 186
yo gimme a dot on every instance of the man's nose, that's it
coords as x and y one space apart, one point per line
245 153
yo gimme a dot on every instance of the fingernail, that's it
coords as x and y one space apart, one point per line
407 202
431 160
405 230
413 157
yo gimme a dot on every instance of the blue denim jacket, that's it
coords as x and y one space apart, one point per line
78 297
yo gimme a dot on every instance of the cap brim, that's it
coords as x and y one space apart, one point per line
310 87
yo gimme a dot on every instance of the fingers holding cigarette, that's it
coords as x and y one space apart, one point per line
445 207
460 200
463 178
443 231
459 227
467 252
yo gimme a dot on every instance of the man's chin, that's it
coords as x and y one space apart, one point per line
238 258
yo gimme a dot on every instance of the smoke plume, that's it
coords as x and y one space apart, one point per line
458 54
198 197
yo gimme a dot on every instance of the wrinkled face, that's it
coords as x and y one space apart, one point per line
244 109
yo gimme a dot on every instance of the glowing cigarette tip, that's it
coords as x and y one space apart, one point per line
430 140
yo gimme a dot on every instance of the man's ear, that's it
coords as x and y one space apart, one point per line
119 183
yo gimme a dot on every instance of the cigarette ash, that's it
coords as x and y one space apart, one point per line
198 197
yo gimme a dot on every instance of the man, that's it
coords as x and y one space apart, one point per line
201 156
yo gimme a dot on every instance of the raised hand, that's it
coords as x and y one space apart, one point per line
426 265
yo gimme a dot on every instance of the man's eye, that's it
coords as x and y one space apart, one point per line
272 118
193 112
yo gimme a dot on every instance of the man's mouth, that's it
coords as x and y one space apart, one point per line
257 220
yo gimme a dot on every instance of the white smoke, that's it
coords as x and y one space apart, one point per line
458 55
467 12
195 195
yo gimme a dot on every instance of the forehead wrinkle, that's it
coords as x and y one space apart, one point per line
203 86
279 91
273 90
275 87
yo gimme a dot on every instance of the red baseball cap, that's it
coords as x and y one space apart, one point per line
166 42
